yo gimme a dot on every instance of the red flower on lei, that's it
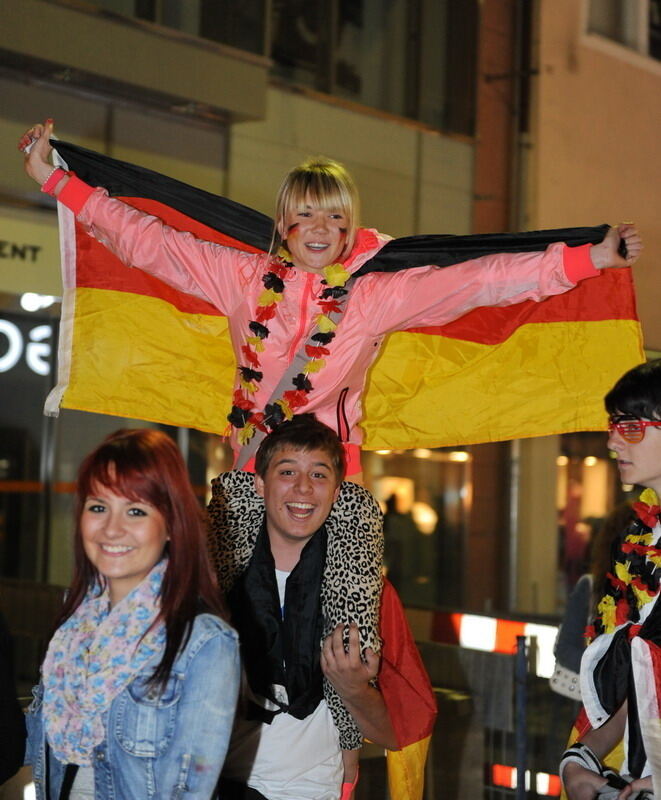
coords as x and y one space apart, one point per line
648 514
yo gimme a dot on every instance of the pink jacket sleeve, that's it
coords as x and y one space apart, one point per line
206 270
431 296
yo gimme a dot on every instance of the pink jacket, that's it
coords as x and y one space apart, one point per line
379 303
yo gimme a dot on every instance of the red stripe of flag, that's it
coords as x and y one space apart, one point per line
608 296
98 268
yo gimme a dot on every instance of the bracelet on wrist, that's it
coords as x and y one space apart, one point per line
54 177
48 177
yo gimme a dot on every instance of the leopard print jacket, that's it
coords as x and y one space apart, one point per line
352 581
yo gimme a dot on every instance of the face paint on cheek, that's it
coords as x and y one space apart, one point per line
293 228
343 239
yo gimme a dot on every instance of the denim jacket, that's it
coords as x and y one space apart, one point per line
158 745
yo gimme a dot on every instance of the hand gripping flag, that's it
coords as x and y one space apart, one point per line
132 346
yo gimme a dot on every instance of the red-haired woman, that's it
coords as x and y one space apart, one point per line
139 684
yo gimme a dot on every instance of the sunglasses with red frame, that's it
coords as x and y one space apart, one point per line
631 429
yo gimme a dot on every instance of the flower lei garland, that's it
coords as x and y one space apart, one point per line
243 414
636 566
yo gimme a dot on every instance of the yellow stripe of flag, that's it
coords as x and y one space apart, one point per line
546 378
123 342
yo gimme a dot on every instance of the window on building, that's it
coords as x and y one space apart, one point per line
414 58
608 19
240 25
426 499
410 57
655 28
636 24
589 491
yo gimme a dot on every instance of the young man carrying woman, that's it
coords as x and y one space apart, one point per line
303 332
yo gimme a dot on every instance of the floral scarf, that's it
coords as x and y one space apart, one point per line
91 658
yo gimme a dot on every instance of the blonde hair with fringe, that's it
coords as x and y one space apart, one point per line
324 183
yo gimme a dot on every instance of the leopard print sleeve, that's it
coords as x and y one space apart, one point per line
236 514
351 589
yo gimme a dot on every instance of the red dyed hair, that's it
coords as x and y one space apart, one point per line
145 465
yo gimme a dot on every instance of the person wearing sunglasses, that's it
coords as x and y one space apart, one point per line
621 668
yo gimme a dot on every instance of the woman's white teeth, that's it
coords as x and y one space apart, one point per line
115 548
316 246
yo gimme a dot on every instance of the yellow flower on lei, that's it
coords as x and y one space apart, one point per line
641 538
606 608
650 497
268 296
622 572
336 275
246 433
249 386
314 366
643 597
325 324
286 410
257 343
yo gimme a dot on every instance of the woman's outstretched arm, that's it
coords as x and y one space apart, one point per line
203 269
428 296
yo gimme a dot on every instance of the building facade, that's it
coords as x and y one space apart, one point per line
453 118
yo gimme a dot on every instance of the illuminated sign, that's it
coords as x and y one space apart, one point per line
32 345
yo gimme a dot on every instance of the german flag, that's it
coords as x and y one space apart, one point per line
132 346
530 369
614 759
409 698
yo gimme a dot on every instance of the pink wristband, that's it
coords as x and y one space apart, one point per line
578 263
49 185
347 788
